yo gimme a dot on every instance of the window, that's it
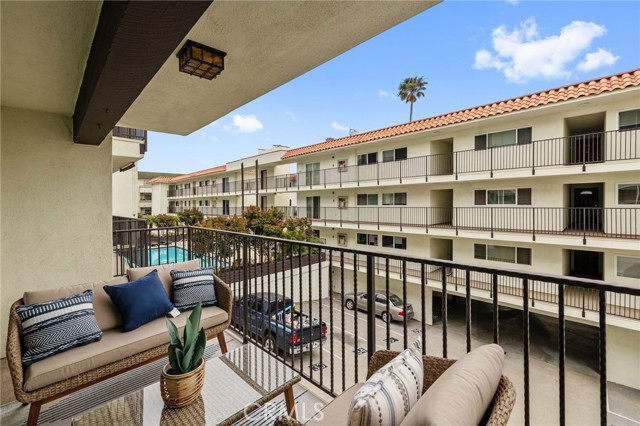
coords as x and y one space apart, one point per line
225 207
520 196
367 199
394 155
313 173
313 207
364 159
367 239
206 203
629 120
225 184
394 242
508 137
394 199
200 203
342 240
628 266
342 166
629 193
342 202
505 254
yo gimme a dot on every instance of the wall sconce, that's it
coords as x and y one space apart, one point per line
200 60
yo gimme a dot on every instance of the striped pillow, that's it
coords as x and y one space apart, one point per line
390 393
191 287
52 327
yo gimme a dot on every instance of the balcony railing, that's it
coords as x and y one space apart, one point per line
565 151
135 134
318 278
610 222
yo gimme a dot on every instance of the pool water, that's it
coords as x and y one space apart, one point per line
164 255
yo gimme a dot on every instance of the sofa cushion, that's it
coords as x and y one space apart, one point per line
106 314
164 273
191 287
391 392
56 326
336 413
114 346
140 301
463 393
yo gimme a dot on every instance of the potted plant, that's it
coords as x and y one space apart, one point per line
183 377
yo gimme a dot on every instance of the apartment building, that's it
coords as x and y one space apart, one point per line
227 189
547 182
128 147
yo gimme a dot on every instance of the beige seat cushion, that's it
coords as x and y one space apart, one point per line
337 412
164 273
463 393
114 346
106 314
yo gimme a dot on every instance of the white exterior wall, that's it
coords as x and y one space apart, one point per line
45 247
159 201
125 193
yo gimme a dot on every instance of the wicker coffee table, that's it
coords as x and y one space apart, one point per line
236 384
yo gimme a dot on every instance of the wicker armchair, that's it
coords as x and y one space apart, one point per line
497 414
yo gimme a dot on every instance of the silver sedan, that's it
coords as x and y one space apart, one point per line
396 306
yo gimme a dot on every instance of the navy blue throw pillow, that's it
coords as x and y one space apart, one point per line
140 301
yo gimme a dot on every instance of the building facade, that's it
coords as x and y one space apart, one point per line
547 182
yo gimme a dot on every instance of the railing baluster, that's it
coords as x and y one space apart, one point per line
444 313
561 355
525 339
495 309
602 322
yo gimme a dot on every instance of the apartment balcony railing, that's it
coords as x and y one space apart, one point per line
564 151
135 134
614 222
316 277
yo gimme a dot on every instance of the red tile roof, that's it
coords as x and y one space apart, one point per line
213 170
551 96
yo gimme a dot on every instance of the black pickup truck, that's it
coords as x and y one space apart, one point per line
275 322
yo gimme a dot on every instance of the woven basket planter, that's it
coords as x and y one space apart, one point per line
180 390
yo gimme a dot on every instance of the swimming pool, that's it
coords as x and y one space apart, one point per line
164 255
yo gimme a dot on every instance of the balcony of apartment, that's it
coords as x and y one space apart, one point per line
593 152
145 200
583 222
269 184
129 146
563 378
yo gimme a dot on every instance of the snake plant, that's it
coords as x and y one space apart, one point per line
185 355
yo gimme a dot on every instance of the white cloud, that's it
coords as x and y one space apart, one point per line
522 55
336 126
385 94
244 124
513 2
597 59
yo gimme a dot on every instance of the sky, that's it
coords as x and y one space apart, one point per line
469 52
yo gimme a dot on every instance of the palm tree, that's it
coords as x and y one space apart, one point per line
410 90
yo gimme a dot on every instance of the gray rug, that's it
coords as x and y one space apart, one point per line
61 411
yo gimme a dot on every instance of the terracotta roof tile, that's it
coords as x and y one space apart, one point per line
559 94
213 170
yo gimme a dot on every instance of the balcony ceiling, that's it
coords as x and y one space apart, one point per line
267 45
45 46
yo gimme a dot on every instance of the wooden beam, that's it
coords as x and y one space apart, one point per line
133 40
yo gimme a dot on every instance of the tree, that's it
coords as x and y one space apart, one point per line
410 90
191 217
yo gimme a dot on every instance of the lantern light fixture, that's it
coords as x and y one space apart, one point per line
200 60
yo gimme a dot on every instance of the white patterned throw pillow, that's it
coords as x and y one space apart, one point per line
58 325
191 287
390 393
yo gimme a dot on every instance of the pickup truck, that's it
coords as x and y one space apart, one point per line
275 322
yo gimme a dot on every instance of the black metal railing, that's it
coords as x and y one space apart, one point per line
564 151
610 222
319 279
121 223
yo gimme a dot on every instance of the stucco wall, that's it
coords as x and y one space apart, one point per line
56 207
125 193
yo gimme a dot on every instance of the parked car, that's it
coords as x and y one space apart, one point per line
275 322
396 306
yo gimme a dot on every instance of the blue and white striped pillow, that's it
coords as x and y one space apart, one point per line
391 392
52 327
191 287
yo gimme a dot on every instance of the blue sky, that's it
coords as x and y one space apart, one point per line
470 53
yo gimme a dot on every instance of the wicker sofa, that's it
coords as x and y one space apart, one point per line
115 353
336 413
